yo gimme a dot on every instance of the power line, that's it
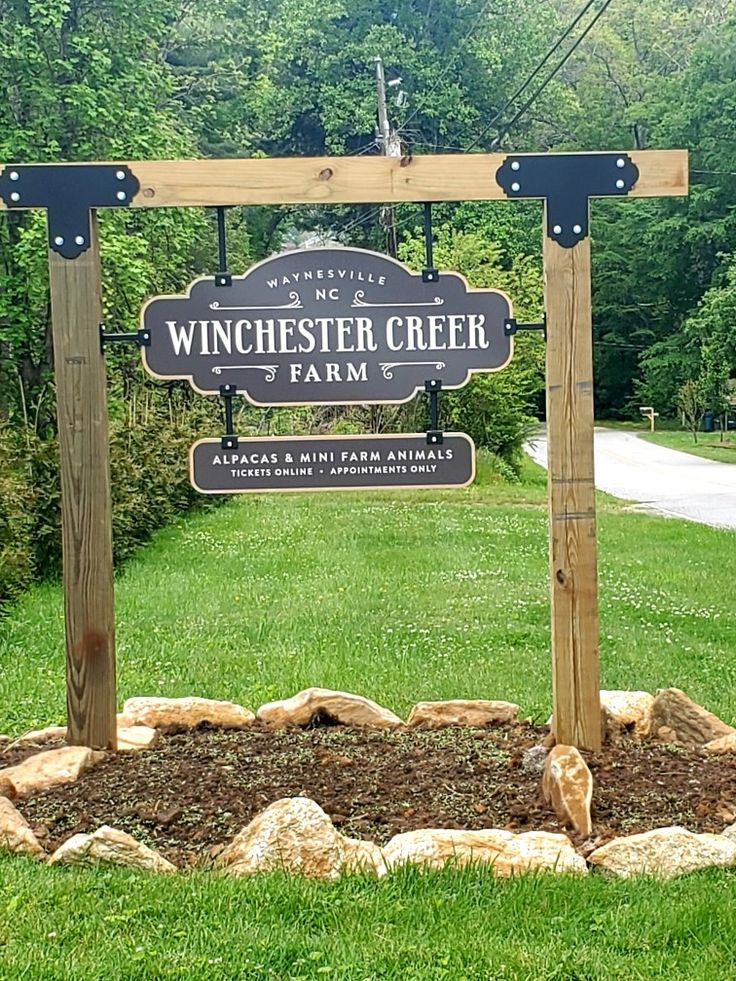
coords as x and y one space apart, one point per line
525 85
505 128
552 74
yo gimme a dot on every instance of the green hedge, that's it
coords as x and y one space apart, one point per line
150 484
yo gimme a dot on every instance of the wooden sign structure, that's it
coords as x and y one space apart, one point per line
71 195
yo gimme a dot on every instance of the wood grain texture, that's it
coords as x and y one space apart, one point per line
355 180
572 518
81 397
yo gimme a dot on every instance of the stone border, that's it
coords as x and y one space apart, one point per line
297 836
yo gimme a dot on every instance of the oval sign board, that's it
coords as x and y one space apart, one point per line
327 326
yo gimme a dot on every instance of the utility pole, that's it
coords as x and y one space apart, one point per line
390 144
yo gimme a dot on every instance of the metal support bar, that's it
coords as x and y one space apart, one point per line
229 440
140 337
429 273
222 277
435 436
512 326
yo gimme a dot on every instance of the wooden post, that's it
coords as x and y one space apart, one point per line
81 398
573 566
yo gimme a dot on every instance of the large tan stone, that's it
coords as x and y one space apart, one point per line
730 832
15 832
160 713
627 713
665 852
506 852
132 739
113 846
7 788
295 835
567 784
724 744
692 724
50 768
461 712
340 706
39 737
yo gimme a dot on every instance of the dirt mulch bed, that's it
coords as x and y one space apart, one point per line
197 789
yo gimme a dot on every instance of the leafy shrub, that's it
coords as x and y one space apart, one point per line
16 508
149 447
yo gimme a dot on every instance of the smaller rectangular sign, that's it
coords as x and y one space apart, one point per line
318 463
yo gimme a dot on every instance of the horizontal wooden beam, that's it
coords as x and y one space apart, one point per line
360 180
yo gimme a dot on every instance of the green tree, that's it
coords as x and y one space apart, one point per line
494 409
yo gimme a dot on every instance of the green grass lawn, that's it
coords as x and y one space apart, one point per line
404 597
709 445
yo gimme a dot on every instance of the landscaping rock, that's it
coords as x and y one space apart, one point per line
461 712
132 739
730 832
39 737
7 788
51 767
665 852
113 846
724 744
15 832
506 852
4 741
295 835
667 735
692 724
567 785
183 712
338 706
626 713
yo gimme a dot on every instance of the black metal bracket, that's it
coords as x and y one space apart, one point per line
511 327
222 276
429 273
566 181
229 440
68 192
435 436
140 337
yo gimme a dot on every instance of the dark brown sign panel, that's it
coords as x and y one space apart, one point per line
327 326
304 463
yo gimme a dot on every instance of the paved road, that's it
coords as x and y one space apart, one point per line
666 481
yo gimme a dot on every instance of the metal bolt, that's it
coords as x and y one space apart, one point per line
557 229
79 239
620 163
120 175
515 186
14 175
577 229
620 185
15 196
58 240
121 195
515 165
